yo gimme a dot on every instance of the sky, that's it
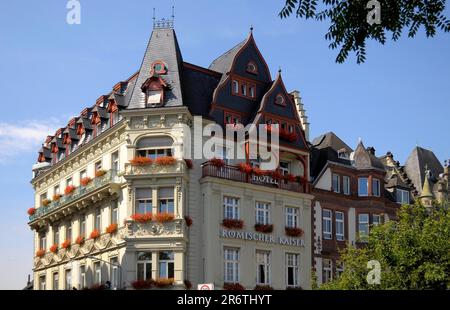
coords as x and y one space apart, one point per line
50 71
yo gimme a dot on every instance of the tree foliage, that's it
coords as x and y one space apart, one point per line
349 28
414 253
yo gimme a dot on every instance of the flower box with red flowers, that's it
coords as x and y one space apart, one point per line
189 163
263 288
290 177
80 240
54 248
217 162
112 228
163 217
142 284
40 253
69 190
56 197
100 173
95 234
276 175
85 181
141 161
244 167
46 202
163 282
293 231
188 220
233 287
31 211
165 161
142 217
264 228
66 244
233 223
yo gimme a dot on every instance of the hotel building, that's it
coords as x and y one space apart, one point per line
114 206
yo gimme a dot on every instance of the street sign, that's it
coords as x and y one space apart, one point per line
205 287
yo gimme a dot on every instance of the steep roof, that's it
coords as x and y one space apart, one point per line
223 63
418 161
364 159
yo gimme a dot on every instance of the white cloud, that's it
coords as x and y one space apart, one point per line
24 136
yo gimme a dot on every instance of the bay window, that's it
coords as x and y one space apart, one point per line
166 202
154 147
363 187
143 200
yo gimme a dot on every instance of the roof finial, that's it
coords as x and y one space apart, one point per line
251 28
173 12
359 140
279 70
154 16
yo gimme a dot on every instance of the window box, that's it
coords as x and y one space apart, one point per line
217 162
40 253
95 234
69 190
80 240
66 244
244 167
233 223
276 175
233 287
163 282
142 284
164 217
264 228
165 161
56 197
141 161
112 228
142 217
100 173
31 211
188 220
54 248
85 181
46 202
293 231
263 288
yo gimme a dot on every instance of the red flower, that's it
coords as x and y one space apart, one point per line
85 181
165 161
54 248
69 189
264 228
189 163
142 284
276 175
95 234
244 167
142 217
66 244
80 240
112 228
141 161
188 220
164 217
31 211
100 173
293 231
233 287
258 171
217 162
232 223
40 252
290 177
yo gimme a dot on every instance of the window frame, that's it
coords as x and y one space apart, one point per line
231 206
366 187
376 182
346 184
231 258
363 238
340 236
262 210
146 263
292 265
168 263
266 267
336 187
292 214
327 235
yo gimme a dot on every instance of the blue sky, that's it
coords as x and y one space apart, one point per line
51 70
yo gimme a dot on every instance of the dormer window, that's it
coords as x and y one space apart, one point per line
342 153
153 89
252 68
279 99
243 89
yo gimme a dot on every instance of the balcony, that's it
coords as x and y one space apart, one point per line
234 174
82 196
132 171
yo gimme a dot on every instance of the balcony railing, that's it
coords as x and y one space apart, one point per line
177 168
234 174
78 193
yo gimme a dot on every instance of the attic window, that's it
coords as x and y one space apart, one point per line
154 98
252 68
159 67
342 153
279 99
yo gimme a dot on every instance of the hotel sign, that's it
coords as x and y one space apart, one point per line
267 238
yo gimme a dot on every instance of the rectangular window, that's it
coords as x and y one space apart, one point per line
56 281
336 183
363 186
83 174
144 265
262 213
263 268
69 182
376 219
291 217
114 263
56 190
56 235
42 241
166 264
327 229
69 231
98 220
251 90
115 161
98 166
284 169
83 283
166 202
339 225
376 187
243 89
235 87
42 283
143 200
292 269
230 208
231 265
327 271
339 268
114 212
402 196
68 279
42 198
363 227
83 225
346 185
97 273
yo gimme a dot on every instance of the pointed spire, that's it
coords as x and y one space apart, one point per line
426 190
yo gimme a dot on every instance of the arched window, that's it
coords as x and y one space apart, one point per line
153 147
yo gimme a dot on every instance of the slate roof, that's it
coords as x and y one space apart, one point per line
223 63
